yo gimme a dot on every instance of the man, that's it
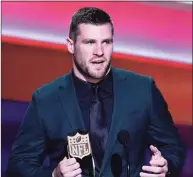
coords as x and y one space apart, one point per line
104 101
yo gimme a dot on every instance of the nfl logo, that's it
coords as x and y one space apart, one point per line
79 145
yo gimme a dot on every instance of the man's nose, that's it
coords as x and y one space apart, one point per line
99 50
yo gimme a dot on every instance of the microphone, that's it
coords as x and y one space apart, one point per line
124 138
116 165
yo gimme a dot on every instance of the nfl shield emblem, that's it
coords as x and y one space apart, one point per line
79 145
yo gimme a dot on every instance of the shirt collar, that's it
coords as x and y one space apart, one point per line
83 88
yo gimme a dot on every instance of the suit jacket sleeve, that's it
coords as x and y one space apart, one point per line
163 133
28 150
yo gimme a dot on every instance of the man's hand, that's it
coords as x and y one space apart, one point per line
67 168
158 165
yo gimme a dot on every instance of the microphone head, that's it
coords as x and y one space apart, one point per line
116 165
124 137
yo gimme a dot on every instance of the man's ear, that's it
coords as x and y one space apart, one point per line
70 45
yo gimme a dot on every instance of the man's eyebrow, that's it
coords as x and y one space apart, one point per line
94 40
108 39
88 40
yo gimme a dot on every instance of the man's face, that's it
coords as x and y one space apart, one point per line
93 50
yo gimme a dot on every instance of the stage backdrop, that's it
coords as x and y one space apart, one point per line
27 65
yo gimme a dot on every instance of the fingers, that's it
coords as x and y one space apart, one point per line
159 162
155 150
142 174
153 169
158 168
69 162
69 168
79 176
74 173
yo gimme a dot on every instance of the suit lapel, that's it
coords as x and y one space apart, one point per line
118 112
67 97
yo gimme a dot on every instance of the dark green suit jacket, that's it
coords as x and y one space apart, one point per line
54 112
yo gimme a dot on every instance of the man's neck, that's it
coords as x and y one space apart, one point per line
85 78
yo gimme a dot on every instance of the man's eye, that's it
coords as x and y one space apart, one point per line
107 42
90 42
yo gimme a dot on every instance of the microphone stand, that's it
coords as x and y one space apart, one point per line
127 161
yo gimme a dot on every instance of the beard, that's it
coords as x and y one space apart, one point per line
87 71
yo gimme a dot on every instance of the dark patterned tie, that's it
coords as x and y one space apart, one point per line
98 127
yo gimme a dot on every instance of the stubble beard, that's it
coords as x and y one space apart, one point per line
87 72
